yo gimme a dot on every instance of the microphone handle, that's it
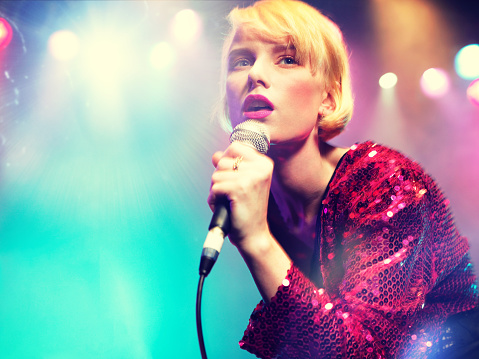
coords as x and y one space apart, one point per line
221 215
254 134
219 228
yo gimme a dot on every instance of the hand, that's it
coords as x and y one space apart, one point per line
247 190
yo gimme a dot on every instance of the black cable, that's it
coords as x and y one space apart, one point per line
198 316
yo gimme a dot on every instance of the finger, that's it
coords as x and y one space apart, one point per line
216 157
211 201
237 149
227 163
218 190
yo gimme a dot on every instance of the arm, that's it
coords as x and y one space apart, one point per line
247 190
378 258
268 264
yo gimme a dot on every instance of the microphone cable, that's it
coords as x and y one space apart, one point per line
199 328
252 133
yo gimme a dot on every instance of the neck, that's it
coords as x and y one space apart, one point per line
301 176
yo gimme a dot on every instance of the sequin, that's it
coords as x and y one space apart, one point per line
393 267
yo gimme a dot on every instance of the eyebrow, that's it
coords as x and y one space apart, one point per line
239 51
277 48
283 47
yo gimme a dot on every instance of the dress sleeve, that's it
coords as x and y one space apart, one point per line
386 229
303 321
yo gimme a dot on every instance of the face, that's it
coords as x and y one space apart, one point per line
265 82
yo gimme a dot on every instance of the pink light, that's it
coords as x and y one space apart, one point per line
473 92
434 82
6 33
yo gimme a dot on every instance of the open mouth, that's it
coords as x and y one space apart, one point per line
256 103
258 106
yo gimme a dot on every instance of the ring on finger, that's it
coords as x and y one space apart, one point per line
237 162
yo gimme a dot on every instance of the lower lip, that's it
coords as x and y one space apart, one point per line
257 114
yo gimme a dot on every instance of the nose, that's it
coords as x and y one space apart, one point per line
258 75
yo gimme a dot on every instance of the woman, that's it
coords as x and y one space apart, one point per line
354 251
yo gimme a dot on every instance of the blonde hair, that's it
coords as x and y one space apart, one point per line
316 39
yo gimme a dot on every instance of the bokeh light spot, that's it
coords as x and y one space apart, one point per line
107 59
473 92
186 26
63 45
434 82
162 56
388 80
6 33
467 62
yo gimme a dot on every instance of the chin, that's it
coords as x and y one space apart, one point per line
235 122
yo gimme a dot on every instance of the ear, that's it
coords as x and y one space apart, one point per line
328 105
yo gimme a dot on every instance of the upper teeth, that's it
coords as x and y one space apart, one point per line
257 105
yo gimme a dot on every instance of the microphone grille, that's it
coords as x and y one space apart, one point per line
253 133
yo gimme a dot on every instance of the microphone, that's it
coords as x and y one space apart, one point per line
251 133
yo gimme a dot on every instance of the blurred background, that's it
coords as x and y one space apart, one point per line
106 140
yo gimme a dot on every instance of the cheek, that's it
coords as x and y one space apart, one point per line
306 95
233 99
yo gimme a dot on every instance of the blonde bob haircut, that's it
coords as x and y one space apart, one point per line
315 38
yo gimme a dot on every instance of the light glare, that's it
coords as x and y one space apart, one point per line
6 33
108 59
434 82
63 45
162 56
388 80
467 62
186 26
473 92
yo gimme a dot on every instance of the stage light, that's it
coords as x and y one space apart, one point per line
108 58
63 45
473 92
186 26
6 33
434 82
162 56
388 80
467 62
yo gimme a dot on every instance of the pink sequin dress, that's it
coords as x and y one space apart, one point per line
391 267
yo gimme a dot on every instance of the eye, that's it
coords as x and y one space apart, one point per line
288 60
238 63
242 62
